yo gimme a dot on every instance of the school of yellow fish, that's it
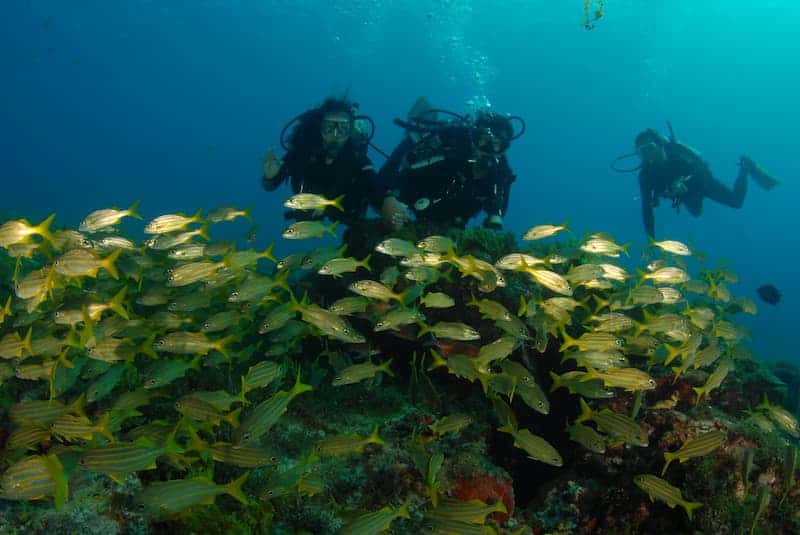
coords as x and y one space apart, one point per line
113 326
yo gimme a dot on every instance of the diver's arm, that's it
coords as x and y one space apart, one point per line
497 203
646 193
508 178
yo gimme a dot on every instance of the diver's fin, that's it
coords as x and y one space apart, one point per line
763 178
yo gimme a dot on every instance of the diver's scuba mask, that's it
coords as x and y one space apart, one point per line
336 130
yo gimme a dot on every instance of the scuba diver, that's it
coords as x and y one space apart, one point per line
669 169
448 171
326 153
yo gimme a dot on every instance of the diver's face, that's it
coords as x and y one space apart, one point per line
336 129
650 153
490 143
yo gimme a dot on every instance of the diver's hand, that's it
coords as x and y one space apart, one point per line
747 163
395 213
272 165
494 222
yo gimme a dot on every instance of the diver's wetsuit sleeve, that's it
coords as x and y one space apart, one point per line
388 176
370 181
646 193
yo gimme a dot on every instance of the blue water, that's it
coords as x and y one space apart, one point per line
175 102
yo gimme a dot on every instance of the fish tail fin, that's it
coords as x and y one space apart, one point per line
438 361
76 407
558 382
403 510
243 393
247 213
424 329
198 216
26 342
624 248
672 353
102 426
203 232
690 507
601 303
523 306
56 471
62 358
332 229
7 307
147 346
337 202
668 458
43 230
267 253
365 263
234 488
109 264
221 345
195 442
172 446
590 374
195 362
508 427
374 438
233 417
299 387
117 303
700 391
586 412
568 340
133 209
386 367
677 370
281 281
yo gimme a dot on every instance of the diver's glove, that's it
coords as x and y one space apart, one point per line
494 222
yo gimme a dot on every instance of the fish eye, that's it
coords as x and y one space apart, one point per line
206 325
151 382
246 436
82 461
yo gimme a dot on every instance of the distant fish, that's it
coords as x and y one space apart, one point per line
769 294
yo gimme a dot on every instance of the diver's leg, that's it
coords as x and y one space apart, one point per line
719 192
694 203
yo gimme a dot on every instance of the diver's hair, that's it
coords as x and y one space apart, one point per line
305 138
648 136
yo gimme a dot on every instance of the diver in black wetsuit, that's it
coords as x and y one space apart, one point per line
326 154
447 172
677 172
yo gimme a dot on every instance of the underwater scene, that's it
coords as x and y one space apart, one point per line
380 266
